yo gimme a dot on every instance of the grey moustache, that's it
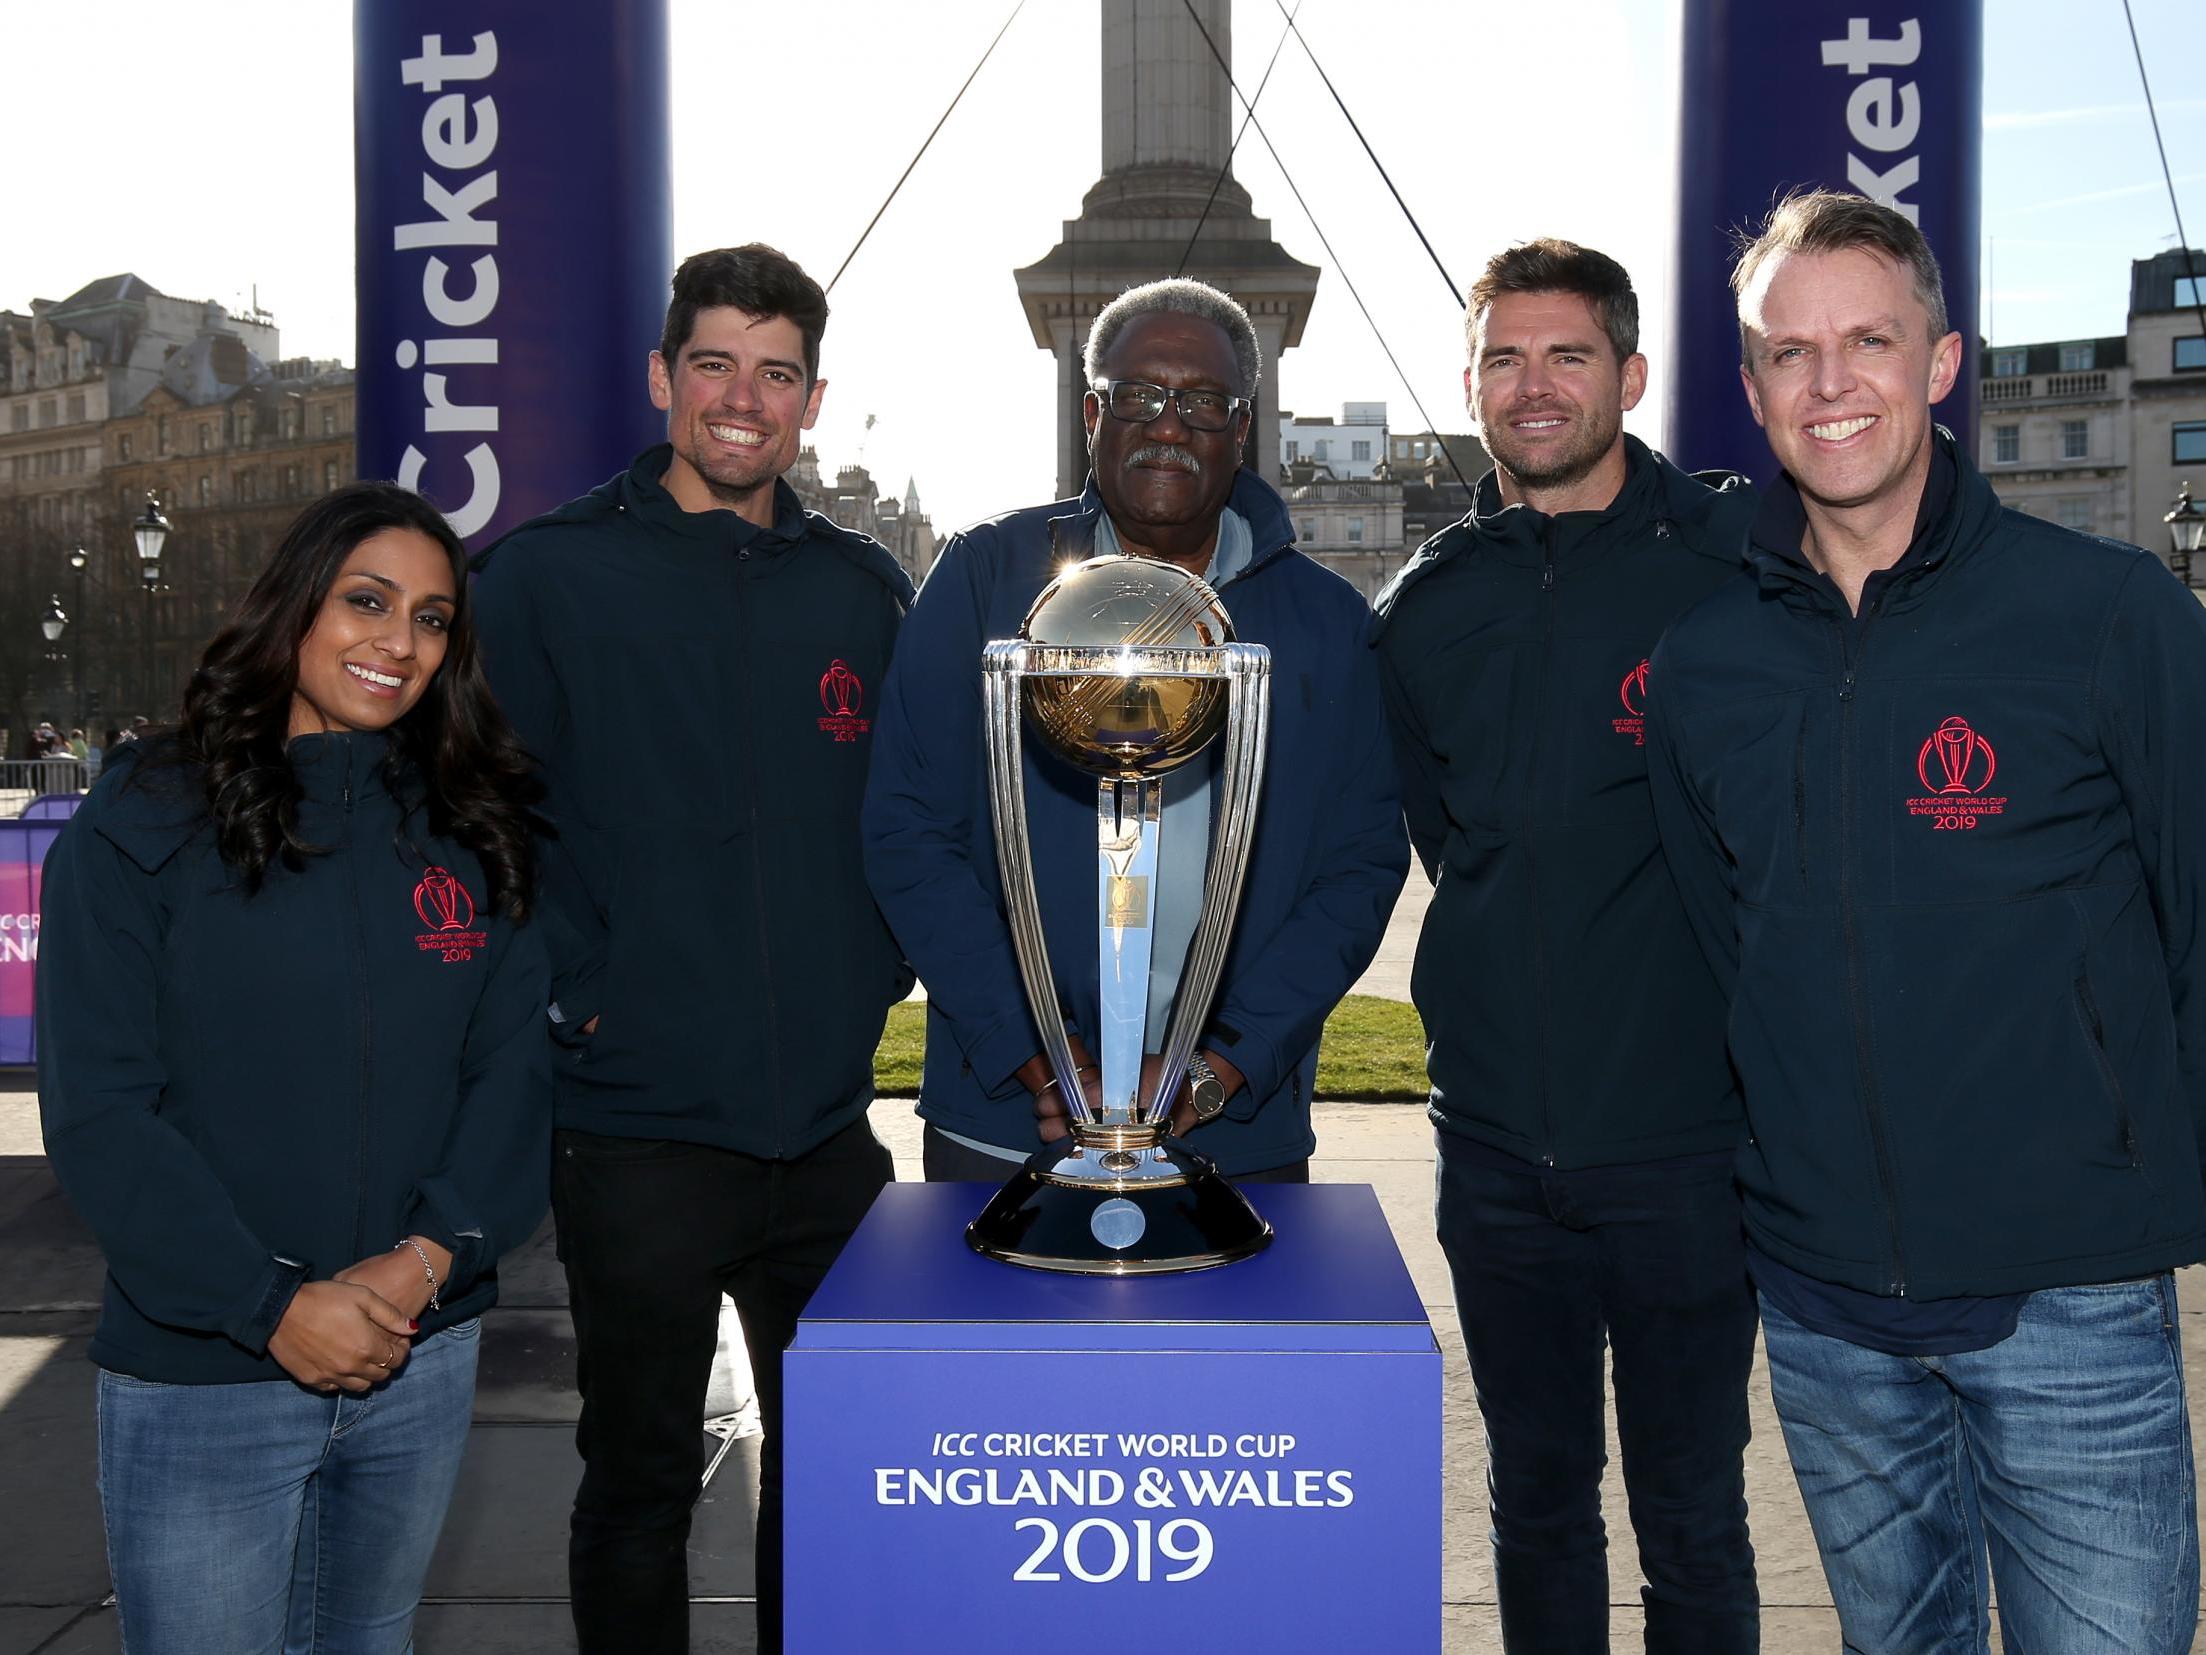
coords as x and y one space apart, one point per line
1163 453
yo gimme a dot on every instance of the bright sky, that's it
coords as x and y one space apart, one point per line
213 152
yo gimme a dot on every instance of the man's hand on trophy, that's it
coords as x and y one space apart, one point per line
1052 1114
1202 1100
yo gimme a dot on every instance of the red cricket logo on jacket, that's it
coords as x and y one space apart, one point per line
1955 766
1633 693
443 904
842 693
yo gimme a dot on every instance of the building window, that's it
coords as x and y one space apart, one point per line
2077 359
2074 513
1355 531
1318 453
329 473
19 417
1359 451
1309 529
245 490
329 422
45 411
1416 450
2010 364
206 436
2190 353
2190 443
76 408
122 449
2006 444
161 434
2075 439
2189 291
290 422
1294 451
206 489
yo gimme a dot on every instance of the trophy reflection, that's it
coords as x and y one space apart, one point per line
1125 668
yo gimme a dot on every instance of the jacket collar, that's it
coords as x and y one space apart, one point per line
641 490
1271 525
1952 519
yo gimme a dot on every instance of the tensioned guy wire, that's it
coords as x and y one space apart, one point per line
1302 40
907 172
1225 171
1341 269
2190 264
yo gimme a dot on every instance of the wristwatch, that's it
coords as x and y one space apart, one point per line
1205 1090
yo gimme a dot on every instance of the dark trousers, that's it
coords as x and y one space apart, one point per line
1650 1258
652 1232
944 1160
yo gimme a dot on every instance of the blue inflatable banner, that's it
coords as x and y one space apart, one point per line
513 243
1886 100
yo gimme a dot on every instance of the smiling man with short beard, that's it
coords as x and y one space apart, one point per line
1586 1113
1172 369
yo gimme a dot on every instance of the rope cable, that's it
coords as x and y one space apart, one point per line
929 139
1226 170
1454 292
1415 401
2190 263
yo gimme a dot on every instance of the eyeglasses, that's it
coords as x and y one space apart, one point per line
1139 403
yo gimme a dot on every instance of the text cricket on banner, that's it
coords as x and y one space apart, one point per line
513 216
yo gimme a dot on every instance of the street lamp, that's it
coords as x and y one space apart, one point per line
55 621
2187 530
151 532
80 674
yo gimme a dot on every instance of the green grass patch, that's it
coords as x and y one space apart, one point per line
1373 1049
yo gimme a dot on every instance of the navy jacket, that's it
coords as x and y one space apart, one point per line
1949 858
1570 1017
244 1093
1326 864
700 693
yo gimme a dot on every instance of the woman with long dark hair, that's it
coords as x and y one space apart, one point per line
292 1072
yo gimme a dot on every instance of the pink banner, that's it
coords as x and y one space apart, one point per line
23 847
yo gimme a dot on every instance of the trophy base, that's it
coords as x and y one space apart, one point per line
1119 1227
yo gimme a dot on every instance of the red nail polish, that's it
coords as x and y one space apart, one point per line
412 1326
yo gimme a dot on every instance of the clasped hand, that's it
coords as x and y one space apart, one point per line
1053 1116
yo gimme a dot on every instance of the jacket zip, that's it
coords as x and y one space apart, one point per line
2095 1026
758 866
1853 643
1531 837
367 1026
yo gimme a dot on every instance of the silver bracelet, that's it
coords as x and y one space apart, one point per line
409 1241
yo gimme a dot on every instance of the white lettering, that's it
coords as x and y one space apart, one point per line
1869 114
1881 116
458 133
455 224
430 70
1886 186
482 501
445 136
460 313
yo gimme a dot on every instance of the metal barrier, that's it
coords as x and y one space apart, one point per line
36 776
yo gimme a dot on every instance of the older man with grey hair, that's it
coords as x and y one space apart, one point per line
1172 368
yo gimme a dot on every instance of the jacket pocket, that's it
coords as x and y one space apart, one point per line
2094 1028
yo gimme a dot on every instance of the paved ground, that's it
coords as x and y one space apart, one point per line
498 1585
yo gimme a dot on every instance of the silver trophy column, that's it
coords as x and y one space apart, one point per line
1154 688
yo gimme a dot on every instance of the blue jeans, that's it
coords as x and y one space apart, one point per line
264 1517
2063 1451
1648 1264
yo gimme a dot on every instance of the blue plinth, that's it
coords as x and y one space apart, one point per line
982 1458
